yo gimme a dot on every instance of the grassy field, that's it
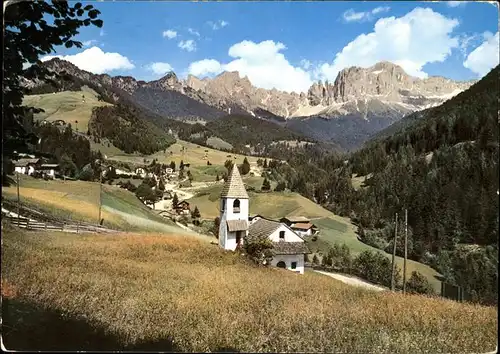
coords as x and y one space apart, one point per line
358 181
272 204
79 200
150 292
67 106
192 154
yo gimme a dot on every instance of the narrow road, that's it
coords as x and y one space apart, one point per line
352 281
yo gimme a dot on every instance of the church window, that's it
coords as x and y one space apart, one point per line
236 206
294 265
282 235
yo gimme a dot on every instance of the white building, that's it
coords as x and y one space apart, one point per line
140 172
26 166
49 169
233 212
288 247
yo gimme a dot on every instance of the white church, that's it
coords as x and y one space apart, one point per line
289 249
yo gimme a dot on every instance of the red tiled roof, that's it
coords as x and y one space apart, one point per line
302 226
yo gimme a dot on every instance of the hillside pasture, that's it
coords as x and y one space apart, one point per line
340 230
189 153
151 292
67 106
79 200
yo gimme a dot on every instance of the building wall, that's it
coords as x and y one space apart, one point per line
290 236
304 233
288 259
19 169
227 240
242 215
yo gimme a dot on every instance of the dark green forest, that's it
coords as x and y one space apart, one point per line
126 131
442 167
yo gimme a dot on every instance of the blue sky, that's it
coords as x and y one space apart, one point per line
288 45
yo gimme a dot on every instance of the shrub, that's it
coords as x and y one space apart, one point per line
259 250
418 284
375 267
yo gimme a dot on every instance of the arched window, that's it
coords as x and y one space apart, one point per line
281 264
236 206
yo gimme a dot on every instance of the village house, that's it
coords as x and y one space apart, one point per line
182 208
26 166
140 172
300 225
48 169
236 226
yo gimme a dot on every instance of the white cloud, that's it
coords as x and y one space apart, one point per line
205 67
160 68
485 57
456 3
89 42
306 64
194 32
218 24
262 63
96 61
169 34
352 16
421 36
188 45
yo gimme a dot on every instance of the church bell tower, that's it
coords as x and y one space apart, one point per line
234 211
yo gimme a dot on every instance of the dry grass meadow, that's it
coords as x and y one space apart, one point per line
178 293
67 106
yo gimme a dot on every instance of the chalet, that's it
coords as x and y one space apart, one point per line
300 225
236 227
26 166
140 172
182 207
48 169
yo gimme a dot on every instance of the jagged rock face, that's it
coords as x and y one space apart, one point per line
384 82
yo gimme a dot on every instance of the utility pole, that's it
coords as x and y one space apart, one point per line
100 192
18 201
393 285
406 251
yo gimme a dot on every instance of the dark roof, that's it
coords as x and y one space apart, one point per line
237 225
290 248
295 219
25 162
262 228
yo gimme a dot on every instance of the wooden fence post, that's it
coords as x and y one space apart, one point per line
28 224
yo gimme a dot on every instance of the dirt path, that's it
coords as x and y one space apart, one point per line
352 281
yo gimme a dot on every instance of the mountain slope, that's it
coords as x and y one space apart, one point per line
443 167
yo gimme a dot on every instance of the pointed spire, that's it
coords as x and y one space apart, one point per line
234 187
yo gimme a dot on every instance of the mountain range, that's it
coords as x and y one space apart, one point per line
360 103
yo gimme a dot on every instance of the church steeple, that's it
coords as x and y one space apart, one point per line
234 187
233 211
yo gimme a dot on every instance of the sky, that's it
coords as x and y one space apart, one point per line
288 45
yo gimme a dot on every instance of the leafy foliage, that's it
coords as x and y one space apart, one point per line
418 284
28 35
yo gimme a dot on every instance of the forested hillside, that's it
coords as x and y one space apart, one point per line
443 168
126 131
